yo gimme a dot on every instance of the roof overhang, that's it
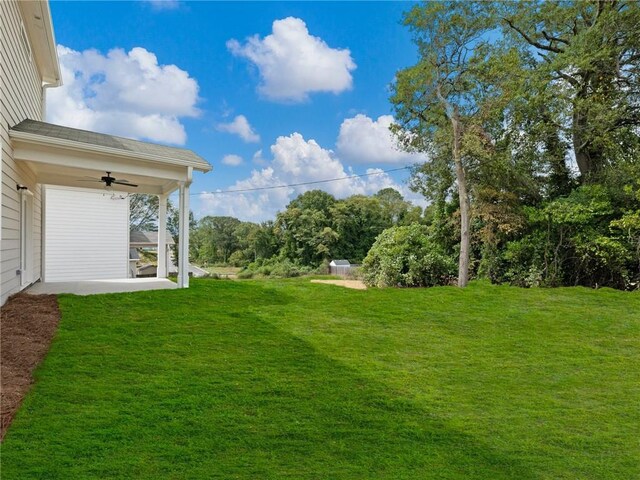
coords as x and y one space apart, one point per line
63 162
145 239
39 27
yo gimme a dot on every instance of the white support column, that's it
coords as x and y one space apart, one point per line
183 239
162 236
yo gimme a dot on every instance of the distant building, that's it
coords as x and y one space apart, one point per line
144 239
340 267
148 241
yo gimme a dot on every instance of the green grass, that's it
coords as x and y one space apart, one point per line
222 270
287 379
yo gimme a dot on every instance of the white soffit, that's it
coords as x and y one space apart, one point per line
65 156
37 22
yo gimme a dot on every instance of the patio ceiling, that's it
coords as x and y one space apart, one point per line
76 158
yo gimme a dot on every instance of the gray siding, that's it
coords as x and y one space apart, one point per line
20 98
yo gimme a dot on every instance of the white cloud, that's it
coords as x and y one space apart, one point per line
240 126
232 160
258 159
295 160
123 93
363 140
292 63
257 207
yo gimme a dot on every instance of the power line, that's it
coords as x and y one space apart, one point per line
315 182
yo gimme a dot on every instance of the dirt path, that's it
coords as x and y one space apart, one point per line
355 284
27 323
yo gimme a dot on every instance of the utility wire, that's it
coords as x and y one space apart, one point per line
244 190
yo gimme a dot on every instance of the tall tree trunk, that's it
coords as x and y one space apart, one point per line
555 151
583 159
465 211
589 155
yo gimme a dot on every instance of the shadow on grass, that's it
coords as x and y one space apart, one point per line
361 429
220 394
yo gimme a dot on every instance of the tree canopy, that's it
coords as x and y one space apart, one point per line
315 227
530 115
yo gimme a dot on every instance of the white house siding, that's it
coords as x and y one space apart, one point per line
86 235
20 98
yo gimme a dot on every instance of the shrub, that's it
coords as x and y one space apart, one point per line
523 263
244 274
581 239
237 259
275 267
407 257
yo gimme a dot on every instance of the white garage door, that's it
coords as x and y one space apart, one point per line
86 235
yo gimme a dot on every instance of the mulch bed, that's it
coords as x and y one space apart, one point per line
27 326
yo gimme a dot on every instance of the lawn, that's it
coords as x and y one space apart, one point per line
222 271
286 379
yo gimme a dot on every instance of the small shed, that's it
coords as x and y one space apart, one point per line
339 267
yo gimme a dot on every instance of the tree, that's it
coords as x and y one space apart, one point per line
143 212
357 221
407 257
437 99
218 237
586 54
396 210
265 240
306 228
313 200
501 112
247 251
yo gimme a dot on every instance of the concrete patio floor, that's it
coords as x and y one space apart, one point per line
91 287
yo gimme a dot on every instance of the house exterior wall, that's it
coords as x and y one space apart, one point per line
86 235
21 96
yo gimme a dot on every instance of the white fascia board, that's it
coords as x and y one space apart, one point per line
37 20
54 161
57 166
54 80
31 138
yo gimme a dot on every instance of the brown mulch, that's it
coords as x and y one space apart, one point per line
27 326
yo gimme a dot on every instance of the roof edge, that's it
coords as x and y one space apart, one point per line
53 49
203 167
37 20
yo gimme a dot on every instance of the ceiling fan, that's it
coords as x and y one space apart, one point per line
108 180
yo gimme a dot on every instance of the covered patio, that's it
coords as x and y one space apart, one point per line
92 287
66 157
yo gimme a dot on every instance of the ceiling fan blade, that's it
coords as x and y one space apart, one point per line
87 180
125 183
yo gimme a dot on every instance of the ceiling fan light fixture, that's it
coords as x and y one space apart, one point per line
108 180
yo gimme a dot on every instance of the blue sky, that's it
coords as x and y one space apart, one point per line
270 93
